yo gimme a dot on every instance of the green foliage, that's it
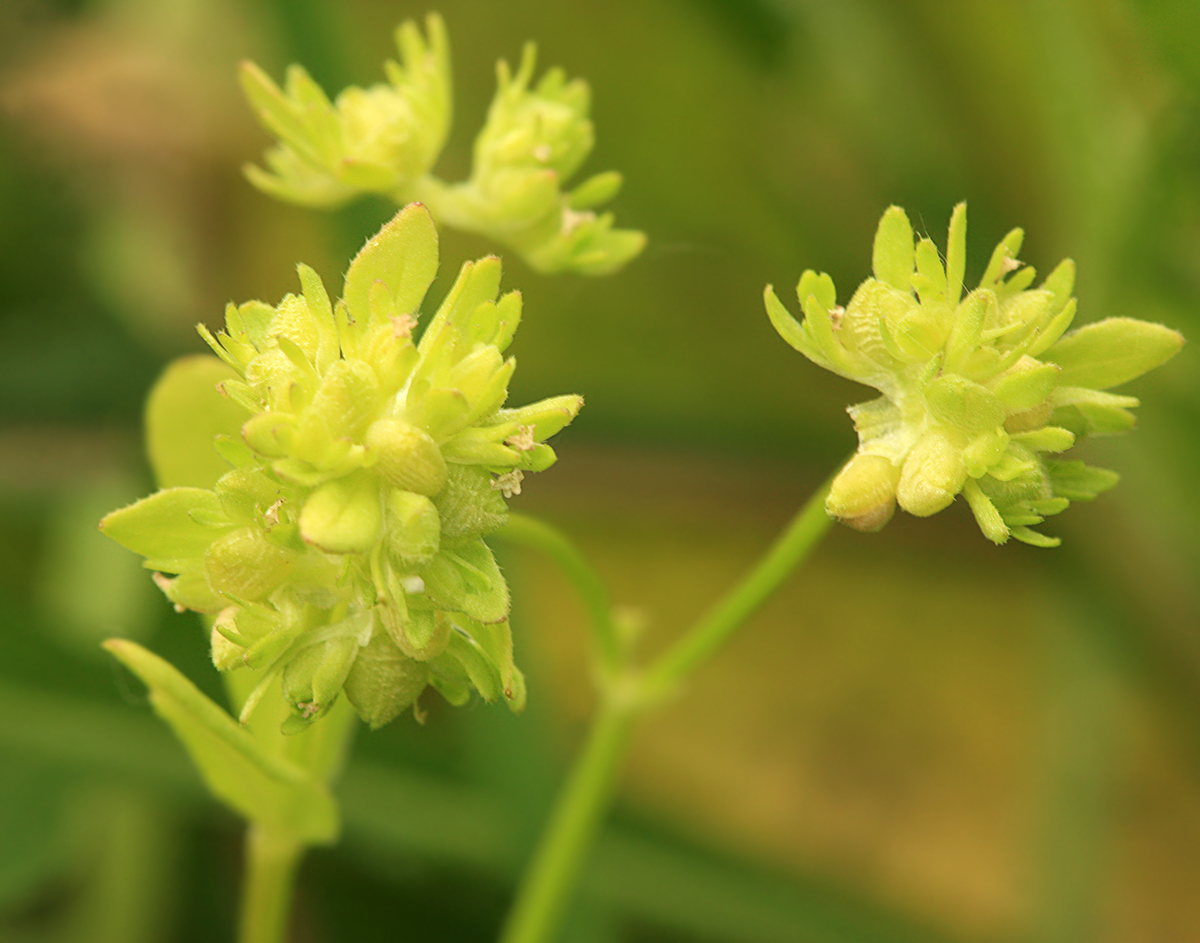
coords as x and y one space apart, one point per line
968 407
266 788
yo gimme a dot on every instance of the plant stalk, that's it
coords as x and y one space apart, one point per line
538 535
701 642
546 889
549 882
271 861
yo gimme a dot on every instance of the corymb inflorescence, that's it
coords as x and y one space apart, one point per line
343 551
981 392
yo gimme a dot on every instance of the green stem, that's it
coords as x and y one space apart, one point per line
699 644
546 888
530 532
271 860
552 875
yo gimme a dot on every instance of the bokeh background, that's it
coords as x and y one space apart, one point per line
922 738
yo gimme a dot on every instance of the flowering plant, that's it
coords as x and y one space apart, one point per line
978 391
344 549
386 139
341 554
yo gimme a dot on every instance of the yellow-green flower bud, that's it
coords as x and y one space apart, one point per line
245 565
343 515
863 495
384 681
412 527
977 390
406 456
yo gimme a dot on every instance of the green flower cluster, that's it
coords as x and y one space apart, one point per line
978 391
374 140
344 549
386 139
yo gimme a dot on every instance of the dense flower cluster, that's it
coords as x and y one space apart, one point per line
344 549
386 139
978 391
379 139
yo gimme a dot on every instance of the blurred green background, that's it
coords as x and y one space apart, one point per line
923 738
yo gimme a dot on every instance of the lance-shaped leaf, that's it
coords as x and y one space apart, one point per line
171 528
892 258
184 414
403 255
267 789
1114 351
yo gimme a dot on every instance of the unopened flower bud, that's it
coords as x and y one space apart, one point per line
406 456
412 526
245 565
384 681
343 515
863 495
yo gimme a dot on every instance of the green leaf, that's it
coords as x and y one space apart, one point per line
478 282
963 404
267 789
403 255
1047 439
985 512
486 597
1114 351
1026 385
596 190
276 111
170 527
1079 482
892 257
495 639
185 412
969 319
1004 253
1034 539
820 286
343 515
484 675
956 253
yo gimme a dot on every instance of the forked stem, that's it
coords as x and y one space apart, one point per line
549 882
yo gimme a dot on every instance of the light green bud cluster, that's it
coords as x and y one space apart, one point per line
374 140
535 139
387 138
978 391
344 551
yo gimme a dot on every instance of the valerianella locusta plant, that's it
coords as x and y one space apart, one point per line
344 551
980 393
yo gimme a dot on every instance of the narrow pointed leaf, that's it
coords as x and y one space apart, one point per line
263 787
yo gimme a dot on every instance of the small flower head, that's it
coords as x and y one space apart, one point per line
978 391
344 550
536 137
374 140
